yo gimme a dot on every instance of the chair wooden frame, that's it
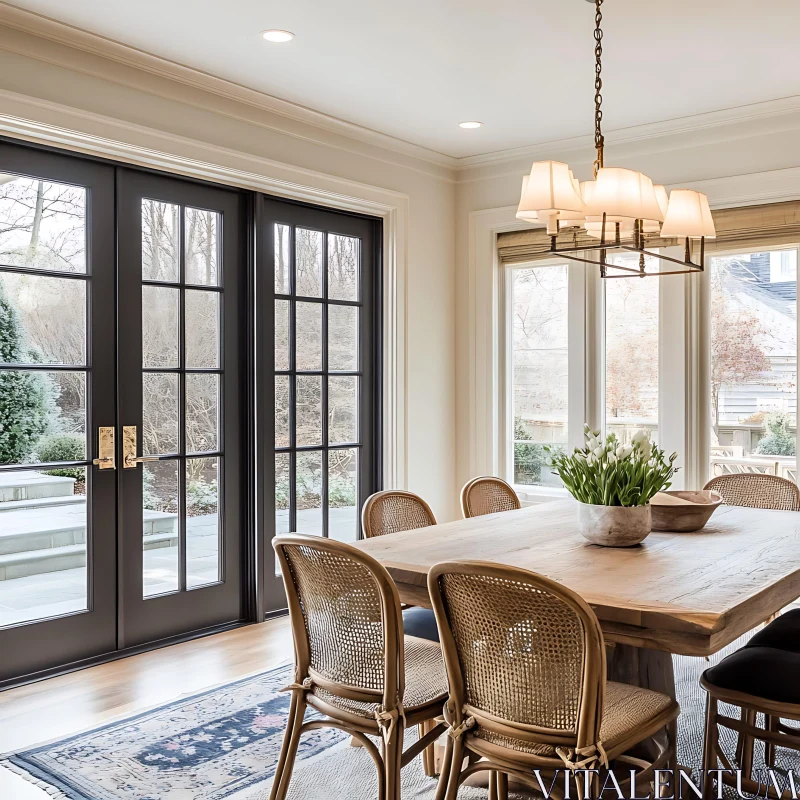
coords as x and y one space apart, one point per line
774 734
392 720
467 507
379 498
504 763
740 481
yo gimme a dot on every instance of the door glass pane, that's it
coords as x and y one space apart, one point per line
43 320
43 539
343 256
202 413
342 338
343 495
160 528
42 224
308 335
160 413
540 362
202 522
308 414
282 491
282 411
754 363
342 410
160 332
283 264
202 247
160 241
631 331
281 334
308 263
38 408
309 493
202 329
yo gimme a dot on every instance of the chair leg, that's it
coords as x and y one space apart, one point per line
428 757
770 723
709 748
444 775
392 755
748 745
672 738
492 785
456 763
502 786
283 771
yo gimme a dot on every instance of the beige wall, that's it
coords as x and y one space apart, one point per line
193 122
739 148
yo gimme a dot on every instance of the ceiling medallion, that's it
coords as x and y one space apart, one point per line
620 208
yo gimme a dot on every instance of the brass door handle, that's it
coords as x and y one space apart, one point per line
131 461
106 457
129 457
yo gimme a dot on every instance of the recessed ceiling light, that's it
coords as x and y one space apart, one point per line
472 124
277 36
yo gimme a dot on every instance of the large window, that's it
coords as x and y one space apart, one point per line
540 369
631 353
753 362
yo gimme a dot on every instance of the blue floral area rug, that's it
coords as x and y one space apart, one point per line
205 747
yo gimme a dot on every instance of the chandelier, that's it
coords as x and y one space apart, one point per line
618 210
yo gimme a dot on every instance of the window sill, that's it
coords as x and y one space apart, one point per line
534 495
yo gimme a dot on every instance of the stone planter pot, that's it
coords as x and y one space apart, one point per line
614 526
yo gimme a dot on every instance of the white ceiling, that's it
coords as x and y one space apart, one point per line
414 69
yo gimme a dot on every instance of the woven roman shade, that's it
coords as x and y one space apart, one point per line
748 228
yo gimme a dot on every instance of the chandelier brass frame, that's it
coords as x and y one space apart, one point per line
611 236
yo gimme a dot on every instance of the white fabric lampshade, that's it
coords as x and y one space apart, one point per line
688 214
585 189
551 192
523 211
652 225
623 194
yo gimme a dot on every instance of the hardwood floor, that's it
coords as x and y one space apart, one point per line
71 703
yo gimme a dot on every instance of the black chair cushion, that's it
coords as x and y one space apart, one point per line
420 622
760 671
783 633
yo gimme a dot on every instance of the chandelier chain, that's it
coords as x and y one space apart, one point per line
598 85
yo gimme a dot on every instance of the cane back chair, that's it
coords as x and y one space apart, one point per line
392 511
526 668
395 510
487 495
757 491
352 662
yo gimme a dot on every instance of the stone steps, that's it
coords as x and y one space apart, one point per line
37 562
43 525
32 485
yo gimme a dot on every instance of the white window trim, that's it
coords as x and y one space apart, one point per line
684 371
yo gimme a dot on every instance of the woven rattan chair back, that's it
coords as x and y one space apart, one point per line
757 491
524 655
487 495
345 616
395 510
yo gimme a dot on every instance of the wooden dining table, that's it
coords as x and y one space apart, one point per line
676 593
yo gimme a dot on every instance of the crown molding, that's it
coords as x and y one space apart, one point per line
713 125
80 39
662 136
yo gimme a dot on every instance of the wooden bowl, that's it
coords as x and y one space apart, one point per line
682 512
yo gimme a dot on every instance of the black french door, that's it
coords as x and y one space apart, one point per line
57 388
185 371
181 379
321 407
123 496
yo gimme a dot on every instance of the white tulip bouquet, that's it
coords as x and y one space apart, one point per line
607 473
